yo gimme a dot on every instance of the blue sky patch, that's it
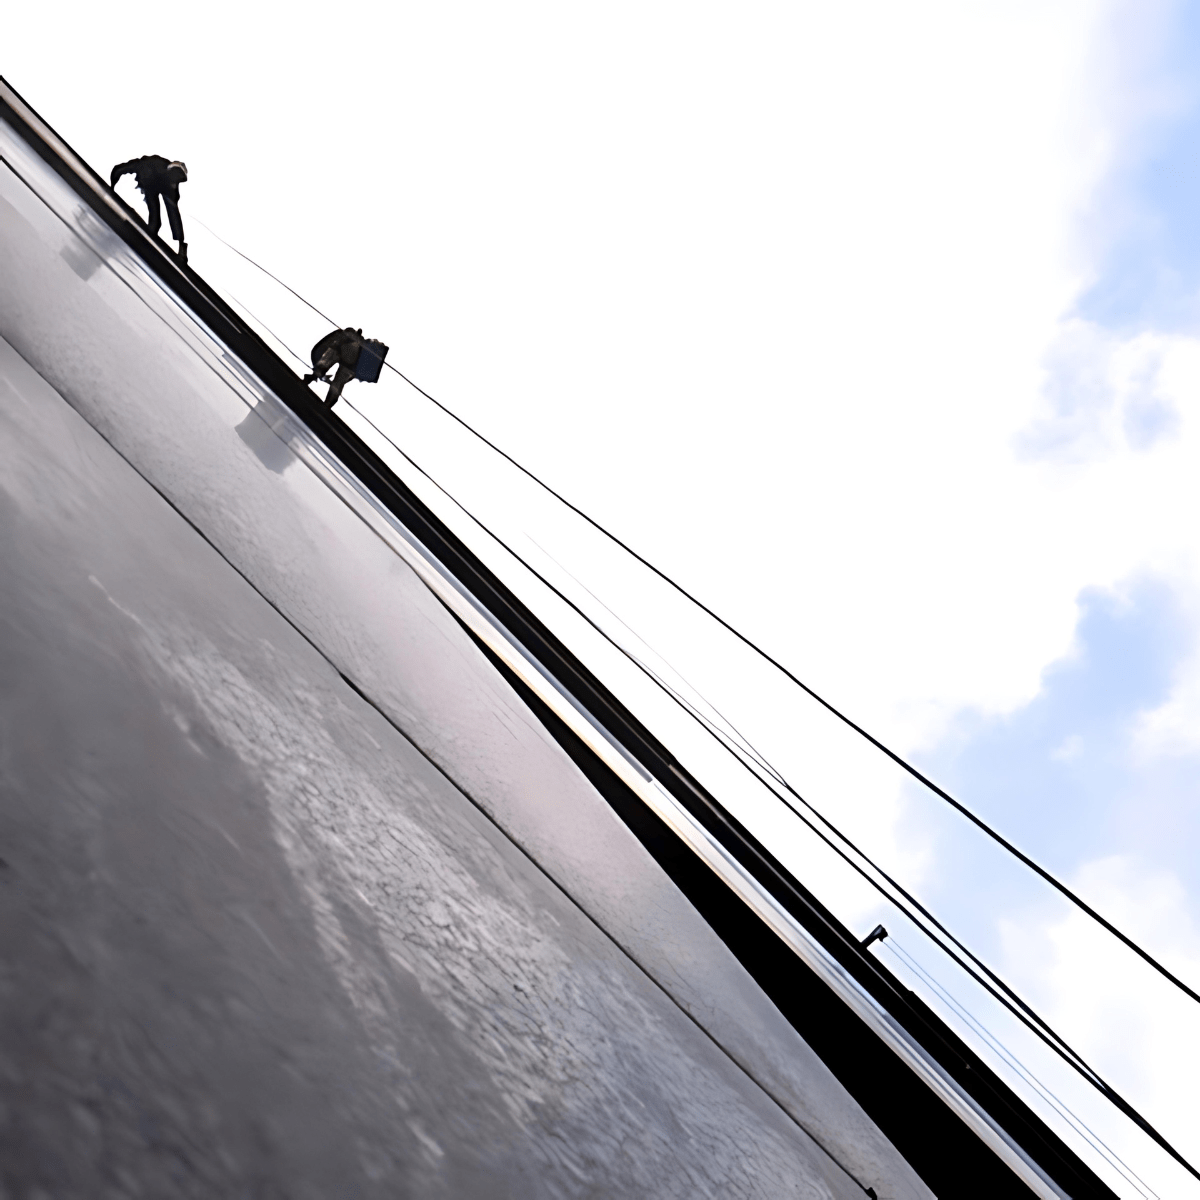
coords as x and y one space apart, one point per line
1147 215
1058 777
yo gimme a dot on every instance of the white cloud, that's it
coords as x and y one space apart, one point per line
1104 394
1132 1026
1173 729
1070 748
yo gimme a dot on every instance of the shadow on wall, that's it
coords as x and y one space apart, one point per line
262 431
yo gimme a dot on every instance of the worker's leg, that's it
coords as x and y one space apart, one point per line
172 207
343 377
327 359
153 214
171 201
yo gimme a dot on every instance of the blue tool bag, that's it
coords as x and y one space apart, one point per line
370 361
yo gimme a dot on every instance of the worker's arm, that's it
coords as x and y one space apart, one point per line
125 168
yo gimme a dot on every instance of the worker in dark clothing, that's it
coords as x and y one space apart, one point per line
343 347
157 176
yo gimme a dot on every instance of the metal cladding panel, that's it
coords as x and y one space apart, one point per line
397 905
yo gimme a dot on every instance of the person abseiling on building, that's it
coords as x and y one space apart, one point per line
356 358
157 176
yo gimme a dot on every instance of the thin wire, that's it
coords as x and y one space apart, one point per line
1093 1138
874 741
745 745
737 734
1016 1005
1038 870
747 748
762 762
1054 1041
1027 1015
266 272
300 359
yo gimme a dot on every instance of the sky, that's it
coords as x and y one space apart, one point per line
876 325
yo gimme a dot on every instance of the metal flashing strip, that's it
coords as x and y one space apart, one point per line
321 460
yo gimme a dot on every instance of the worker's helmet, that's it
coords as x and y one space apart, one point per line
177 172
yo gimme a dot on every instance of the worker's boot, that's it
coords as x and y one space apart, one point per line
183 252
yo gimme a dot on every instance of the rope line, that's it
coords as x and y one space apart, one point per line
1005 995
916 774
1000 992
1081 1126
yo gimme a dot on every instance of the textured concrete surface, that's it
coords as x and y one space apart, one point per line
256 944
178 408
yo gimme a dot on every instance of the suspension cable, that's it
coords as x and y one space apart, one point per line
941 793
992 984
1000 991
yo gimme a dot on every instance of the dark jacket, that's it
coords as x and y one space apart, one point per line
154 174
342 346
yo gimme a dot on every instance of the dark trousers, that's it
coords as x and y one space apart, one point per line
154 217
343 377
